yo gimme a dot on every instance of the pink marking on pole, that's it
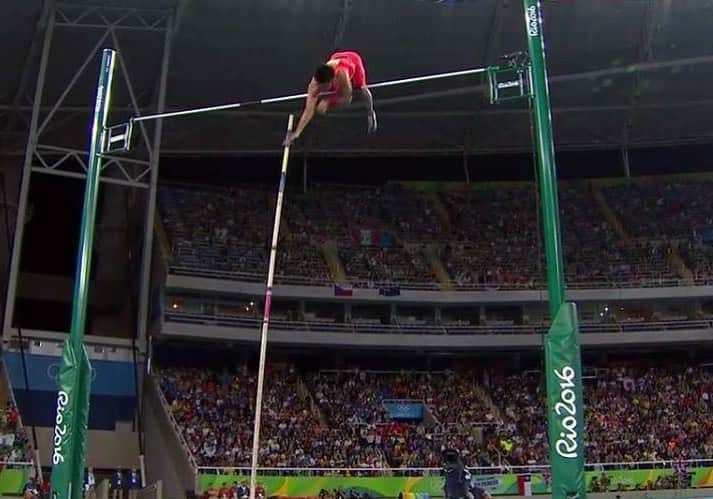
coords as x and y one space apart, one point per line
268 304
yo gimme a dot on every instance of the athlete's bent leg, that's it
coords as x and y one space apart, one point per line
371 114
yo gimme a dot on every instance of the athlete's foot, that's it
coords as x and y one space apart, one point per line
373 126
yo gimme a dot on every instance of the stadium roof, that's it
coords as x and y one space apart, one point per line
636 72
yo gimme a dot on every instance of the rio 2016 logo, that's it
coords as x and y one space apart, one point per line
60 428
533 23
566 444
508 84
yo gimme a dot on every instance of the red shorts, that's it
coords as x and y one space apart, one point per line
351 63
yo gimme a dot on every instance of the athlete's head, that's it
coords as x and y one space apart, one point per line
324 74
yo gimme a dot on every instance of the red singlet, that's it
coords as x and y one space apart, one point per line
351 63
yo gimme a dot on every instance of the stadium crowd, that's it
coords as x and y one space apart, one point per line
484 237
339 419
674 405
14 444
214 411
663 208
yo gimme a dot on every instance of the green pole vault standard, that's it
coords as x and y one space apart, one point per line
70 434
562 356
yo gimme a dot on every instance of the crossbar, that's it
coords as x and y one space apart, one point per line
286 98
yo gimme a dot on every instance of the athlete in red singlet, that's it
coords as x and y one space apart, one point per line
342 76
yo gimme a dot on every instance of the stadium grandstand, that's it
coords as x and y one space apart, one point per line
505 257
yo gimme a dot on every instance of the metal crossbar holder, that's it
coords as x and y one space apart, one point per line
508 83
118 137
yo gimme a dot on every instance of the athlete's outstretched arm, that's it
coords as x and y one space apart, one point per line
307 115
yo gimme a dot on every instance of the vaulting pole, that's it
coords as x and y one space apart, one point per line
266 311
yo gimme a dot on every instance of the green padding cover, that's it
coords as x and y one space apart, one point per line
505 484
69 456
565 414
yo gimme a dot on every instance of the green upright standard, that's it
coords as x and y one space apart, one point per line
69 443
562 356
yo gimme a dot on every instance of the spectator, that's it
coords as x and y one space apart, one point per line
31 490
45 488
243 491
260 492
225 492
118 484
90 484
134 483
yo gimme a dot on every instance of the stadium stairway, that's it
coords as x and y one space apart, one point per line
5 391
167 456
488 402
609 215
330 251
680 266
440 208
439 270
164 244
304 392
615 222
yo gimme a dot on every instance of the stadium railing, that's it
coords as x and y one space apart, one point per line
296 280
485 470
356 327
647 281
702 281
248 276
15 464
